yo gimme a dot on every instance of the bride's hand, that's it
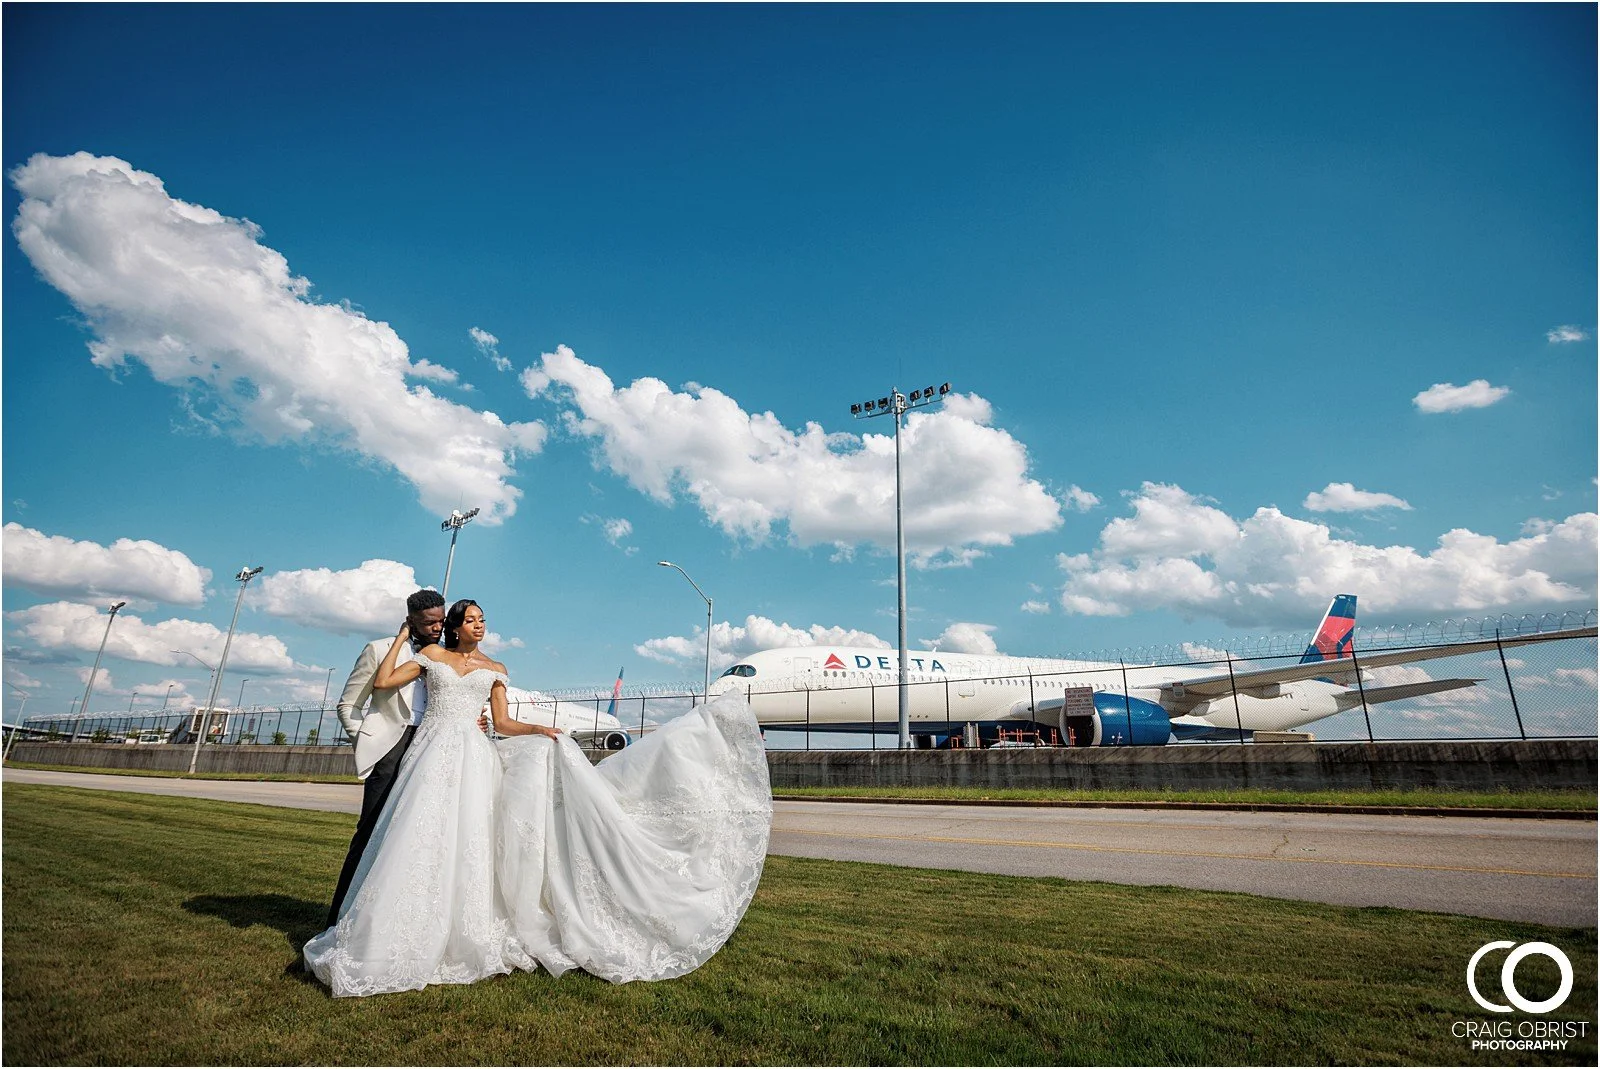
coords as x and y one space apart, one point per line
549 733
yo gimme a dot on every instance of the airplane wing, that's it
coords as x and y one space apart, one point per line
1180 696
1378 695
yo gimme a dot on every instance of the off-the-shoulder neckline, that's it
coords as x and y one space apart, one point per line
421 656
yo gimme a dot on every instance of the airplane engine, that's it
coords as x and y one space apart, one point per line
1119 722
613 740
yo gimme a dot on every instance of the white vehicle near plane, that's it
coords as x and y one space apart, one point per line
955 697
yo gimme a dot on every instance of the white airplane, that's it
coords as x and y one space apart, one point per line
1084 703
586 722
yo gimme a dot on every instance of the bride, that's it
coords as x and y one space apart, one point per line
638 869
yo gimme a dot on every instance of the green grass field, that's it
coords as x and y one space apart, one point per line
151 930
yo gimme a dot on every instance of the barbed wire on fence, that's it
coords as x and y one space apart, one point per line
645 705
1380 636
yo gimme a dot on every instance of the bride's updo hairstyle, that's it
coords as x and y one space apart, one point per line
453 620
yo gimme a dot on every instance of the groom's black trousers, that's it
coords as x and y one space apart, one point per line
373 795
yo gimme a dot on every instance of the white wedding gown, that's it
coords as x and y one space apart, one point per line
424 906
638 869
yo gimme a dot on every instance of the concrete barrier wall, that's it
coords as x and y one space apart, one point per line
1509 765
1504 765
252 760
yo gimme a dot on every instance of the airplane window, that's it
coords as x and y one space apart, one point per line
741 670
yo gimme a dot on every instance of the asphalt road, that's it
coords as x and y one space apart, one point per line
1525 870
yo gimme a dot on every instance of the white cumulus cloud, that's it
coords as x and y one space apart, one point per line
1177 552
427 369
369 600
1566 333
965 638
195 297
1037 608
180 693
1344 497
63 626
128 568
1080 500
18 678
487 345
1445 397
966 483
729 642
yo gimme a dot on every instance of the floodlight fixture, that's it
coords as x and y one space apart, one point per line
88 687
243 577
897 404
457 520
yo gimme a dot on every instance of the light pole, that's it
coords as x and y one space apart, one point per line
166 699
88 688
457 520
322 710
240 703
705 692
212 675
243 579
16 725
897 404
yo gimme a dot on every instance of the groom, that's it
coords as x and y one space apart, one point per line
382 735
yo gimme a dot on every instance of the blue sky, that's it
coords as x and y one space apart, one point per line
1243 307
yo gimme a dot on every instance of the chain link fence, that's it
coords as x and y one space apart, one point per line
1544 689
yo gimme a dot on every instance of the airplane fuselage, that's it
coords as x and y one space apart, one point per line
856 689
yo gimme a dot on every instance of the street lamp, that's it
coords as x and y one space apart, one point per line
322 710
88 688
166 699
243 579
705 693
209 678
16 725
457 520
897 404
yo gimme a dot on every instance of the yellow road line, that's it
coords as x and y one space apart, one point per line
1184 853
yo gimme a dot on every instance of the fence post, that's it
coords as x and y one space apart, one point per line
1361 688
1127 700
1238 718
1509 688
872 692
808 720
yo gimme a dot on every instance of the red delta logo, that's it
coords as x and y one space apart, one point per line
833 662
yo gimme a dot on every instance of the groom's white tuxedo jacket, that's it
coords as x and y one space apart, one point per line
388 711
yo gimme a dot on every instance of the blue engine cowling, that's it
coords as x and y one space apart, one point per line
1130 721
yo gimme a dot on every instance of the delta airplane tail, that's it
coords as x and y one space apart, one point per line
1332 640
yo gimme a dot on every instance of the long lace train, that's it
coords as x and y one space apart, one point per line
641 867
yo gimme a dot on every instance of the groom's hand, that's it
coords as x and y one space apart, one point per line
483 723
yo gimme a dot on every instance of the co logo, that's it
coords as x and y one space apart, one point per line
1508 976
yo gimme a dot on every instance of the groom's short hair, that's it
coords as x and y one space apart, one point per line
423 600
